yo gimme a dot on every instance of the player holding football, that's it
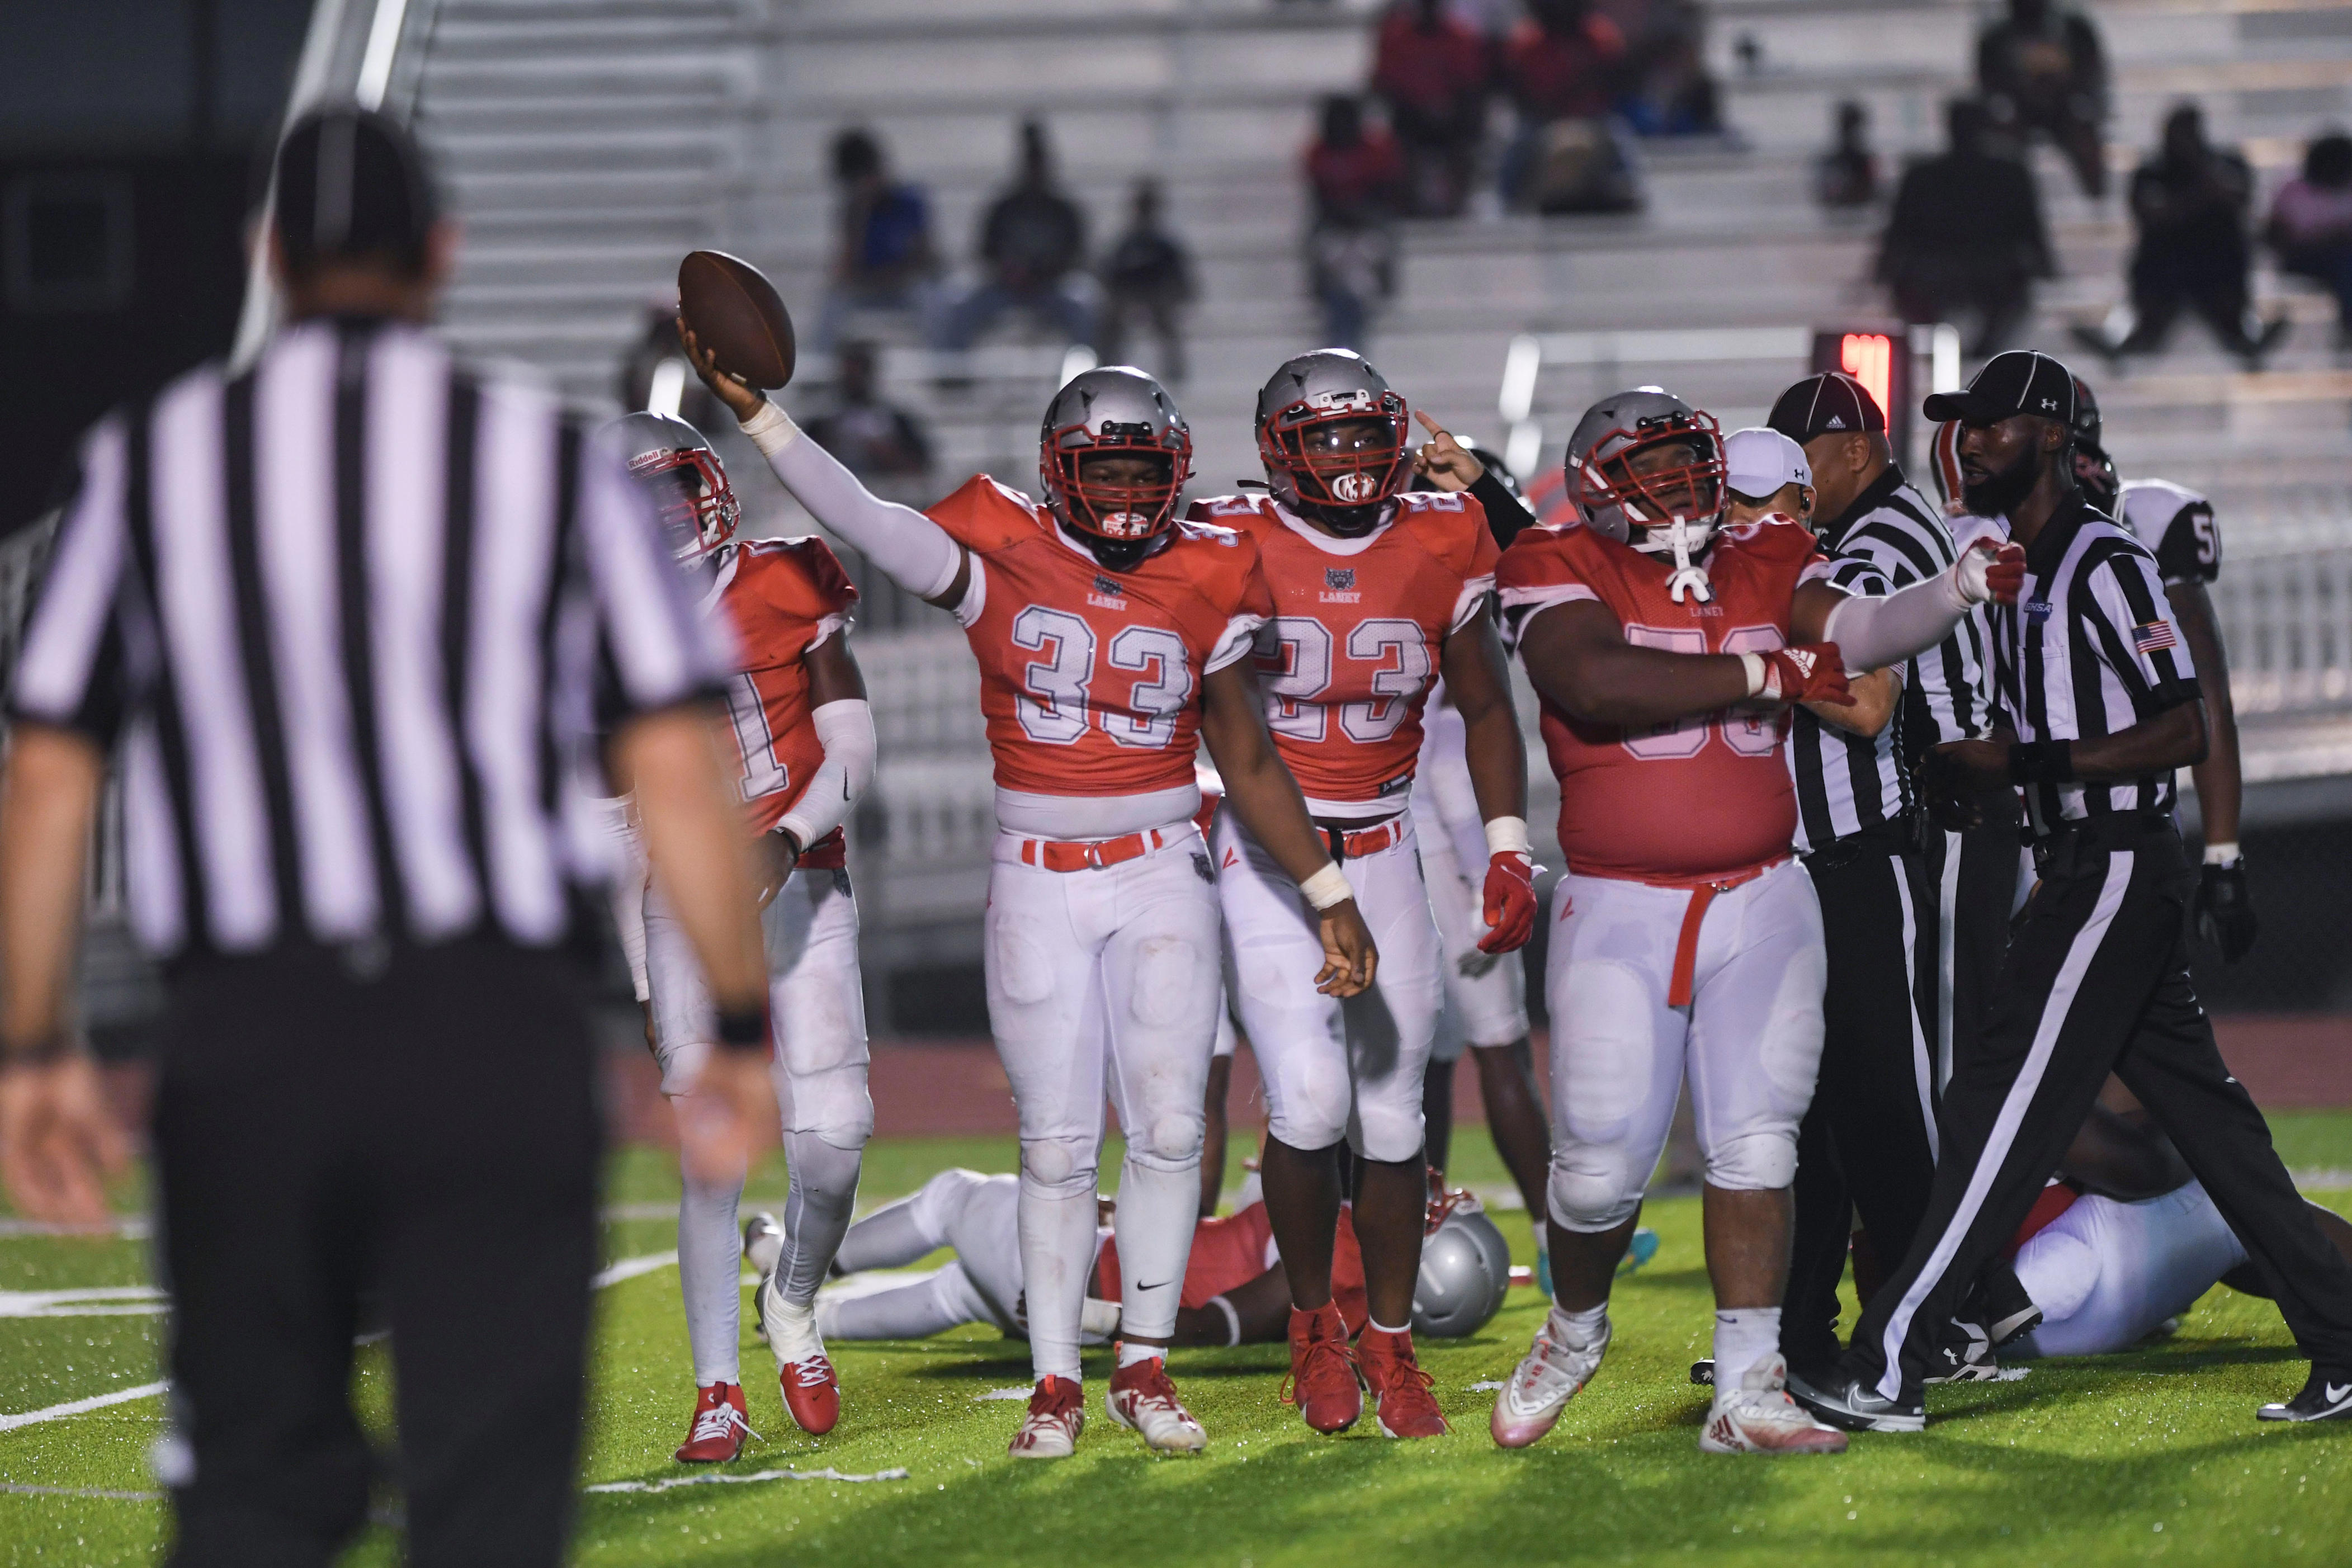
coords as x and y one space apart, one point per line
1660 644
804 742
1112 640
1376 589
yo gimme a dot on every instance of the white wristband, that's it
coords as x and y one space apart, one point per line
1233 1318
771 429
1328 887
2222 855
1509 835
1757 672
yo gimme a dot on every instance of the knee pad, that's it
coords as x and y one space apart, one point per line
1754 1161
1310 1110
1168 1141
1390 1135
1057 1165
1595 1192
834 1105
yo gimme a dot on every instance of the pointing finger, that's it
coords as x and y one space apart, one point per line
1432 425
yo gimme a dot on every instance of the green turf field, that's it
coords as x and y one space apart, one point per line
2147 1456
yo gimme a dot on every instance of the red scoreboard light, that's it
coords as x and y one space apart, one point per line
1879 358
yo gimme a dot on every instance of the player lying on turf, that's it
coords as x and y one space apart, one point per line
1684 931
804 740
1112 641
1235 1290
1376 589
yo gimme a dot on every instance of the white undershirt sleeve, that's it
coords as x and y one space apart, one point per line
906 546
845 731
1873 632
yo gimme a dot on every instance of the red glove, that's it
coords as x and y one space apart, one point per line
1987 570
1812 672
1510 902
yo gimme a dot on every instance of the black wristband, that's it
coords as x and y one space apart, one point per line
2041 761
744 1029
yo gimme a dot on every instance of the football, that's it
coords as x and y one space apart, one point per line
735 312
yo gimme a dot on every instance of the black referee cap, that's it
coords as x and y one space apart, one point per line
2021 381
351 185
1819 405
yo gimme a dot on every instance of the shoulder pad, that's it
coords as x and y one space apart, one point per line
1452 526
802 577
983 515
1223 532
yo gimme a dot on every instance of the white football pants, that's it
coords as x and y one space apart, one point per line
2105 1274
975 1214
1104 979
1750 1040
1333 1068
818 1005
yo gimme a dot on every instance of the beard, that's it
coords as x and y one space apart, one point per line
1994 494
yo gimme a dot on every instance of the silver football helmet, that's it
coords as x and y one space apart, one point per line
681 472
1336 440
1626 482
1465 1268
1114 410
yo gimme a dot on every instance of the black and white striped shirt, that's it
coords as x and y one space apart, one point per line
2090 648
352 616
1846 783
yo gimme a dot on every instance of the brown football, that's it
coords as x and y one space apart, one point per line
734 310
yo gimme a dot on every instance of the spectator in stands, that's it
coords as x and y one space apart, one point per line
2040 68
1432 70
2310 227
873 439
1847 174
1667 90
1966 235
2190 201
1147 274
1033 244
883 257
1357 175
1354 169
1563 67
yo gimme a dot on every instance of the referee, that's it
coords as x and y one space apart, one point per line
2097 706
349 618
1922 915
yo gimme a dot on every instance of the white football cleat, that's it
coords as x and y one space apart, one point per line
1143 1400
1759 1417
1057 1412
1542 1384
763 1243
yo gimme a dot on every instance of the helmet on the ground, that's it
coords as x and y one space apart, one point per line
681 472
1335 438
1465 1268
2093 469
1646 508
1114 411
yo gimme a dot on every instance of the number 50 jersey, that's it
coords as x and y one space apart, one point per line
1090 679
1709 794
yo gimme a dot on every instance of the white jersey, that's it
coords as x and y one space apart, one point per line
2107 1274
2177 527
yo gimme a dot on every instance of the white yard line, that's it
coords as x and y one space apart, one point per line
100 1301
81 1406
15 1489
714 1478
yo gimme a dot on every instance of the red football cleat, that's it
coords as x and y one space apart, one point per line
1323 1376
811 1394
1405 1406
1143 1400
719 1428
1057 1412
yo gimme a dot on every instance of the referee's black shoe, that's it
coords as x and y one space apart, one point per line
2326 1397
1842 1399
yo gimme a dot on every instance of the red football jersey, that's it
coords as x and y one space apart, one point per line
1090 679
1231 1250
1709 793
783 596
1347 660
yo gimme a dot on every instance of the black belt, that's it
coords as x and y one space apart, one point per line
2094 835
1896 835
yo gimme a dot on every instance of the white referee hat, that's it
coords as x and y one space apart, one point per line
1758 461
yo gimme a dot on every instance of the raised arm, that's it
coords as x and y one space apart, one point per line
1266 798
903 544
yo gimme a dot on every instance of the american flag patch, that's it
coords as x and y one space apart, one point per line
2155 636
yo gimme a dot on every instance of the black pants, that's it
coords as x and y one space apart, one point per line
431 1135
2097 981
1867 1143
1974 878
